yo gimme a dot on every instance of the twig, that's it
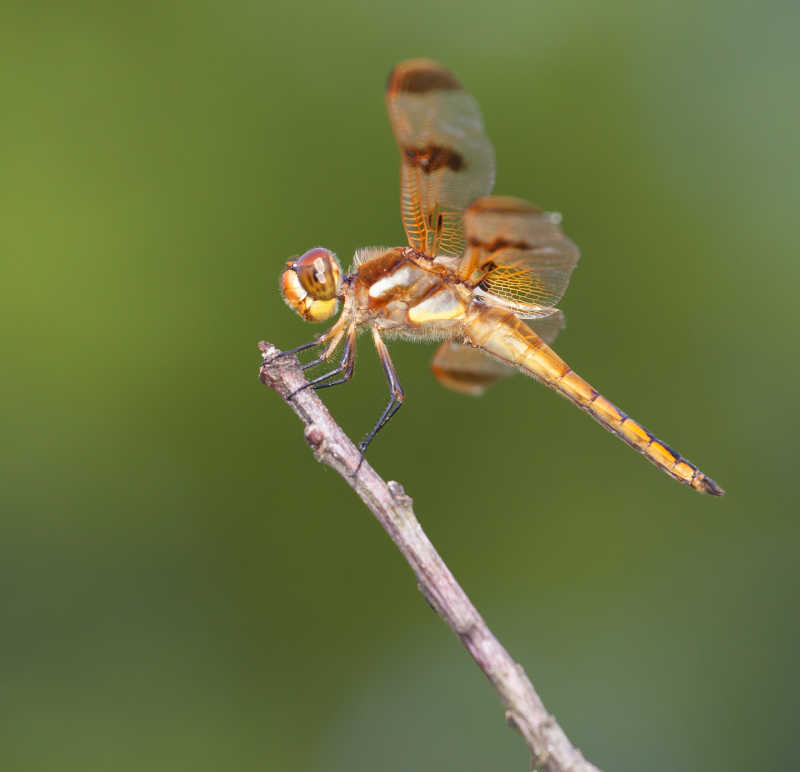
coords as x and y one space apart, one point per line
550 748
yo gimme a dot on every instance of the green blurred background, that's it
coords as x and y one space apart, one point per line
184 587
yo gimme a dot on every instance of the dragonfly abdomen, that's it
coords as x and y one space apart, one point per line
503 335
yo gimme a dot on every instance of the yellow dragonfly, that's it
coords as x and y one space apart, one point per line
482 273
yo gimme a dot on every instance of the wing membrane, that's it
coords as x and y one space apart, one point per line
447 159
547 327
469 370
466 369
518 253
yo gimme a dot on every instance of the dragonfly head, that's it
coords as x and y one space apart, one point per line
310 284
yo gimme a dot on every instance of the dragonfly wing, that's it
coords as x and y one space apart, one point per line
466 369
470 370
547 327
518 254
447 159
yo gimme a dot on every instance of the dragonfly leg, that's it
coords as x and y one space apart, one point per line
346 366
319 340
312 363
396 395
331 337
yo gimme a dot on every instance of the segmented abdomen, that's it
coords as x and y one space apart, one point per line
503 335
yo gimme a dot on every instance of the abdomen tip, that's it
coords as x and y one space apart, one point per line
709 486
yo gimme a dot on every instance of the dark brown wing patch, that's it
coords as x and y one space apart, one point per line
433 158
418 76
466 369
447 159
517 253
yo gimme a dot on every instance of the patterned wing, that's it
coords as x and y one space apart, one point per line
469 370
466 369
517 255
447 159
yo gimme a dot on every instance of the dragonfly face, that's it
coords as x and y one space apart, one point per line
482 273
310 285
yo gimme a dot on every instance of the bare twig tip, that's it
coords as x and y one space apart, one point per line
267 349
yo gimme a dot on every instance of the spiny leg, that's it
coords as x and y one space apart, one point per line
396 395
334 335
313 363
318 341
346 366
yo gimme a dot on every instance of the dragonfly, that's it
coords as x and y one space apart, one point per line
481 273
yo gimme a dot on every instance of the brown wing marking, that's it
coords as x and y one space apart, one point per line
447 159
466 369
469 370
517 253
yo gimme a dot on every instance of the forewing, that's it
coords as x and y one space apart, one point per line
525 259
447 159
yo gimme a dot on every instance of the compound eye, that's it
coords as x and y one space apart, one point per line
319 273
